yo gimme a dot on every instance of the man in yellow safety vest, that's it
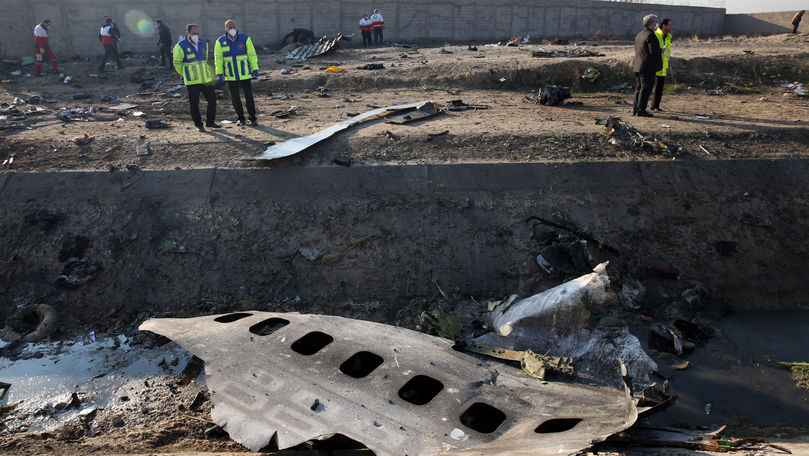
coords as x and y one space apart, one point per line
237 63
191 62
663 33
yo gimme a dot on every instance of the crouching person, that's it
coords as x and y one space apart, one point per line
237 63
191 62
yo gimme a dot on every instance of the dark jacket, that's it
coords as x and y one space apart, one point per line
648 56
165 34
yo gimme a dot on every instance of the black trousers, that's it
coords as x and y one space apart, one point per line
366 38
165 53
795 28
658 91
378 36
110 52
247 88
193 99
644 83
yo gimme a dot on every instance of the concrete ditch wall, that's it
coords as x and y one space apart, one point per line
392 232
76 22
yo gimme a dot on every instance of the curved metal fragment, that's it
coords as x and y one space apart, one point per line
297 377
295 145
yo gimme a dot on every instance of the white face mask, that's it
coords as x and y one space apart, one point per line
232 32
195 39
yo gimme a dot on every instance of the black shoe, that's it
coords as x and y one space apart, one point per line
212 125
644 114
241 123
254 122
200 129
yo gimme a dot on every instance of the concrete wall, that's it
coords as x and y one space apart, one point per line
76 22
780 22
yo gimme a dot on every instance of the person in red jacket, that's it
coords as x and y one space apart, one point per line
109 36
365 30
377 25
42 49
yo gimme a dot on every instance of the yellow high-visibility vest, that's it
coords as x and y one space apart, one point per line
665 47
235 59
192 62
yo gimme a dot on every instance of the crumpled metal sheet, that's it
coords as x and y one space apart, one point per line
295 145
322 46
560 308
557 322
422 111
271 386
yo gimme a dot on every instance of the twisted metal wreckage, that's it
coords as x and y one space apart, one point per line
291 378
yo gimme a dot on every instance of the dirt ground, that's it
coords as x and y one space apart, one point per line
748 114
724 101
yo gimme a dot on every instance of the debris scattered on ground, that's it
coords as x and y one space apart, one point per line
122 107
621 134
422 111
296 37
309 252
721 90
797 87
86 114
371 66
575 52
156 124
553 95
390 135
460 105
620 87
284 113
31 323
334 69
518 40
591 74
440 323
77 272
431 136
533 364
323 46
83 140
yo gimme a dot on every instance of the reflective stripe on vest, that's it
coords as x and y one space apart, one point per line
665 48
195 63
235 58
